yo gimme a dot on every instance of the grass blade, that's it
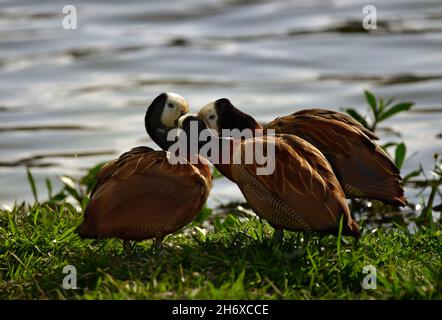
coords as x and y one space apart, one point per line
400 107
359 118
339 238
49 187
32 183
372 102
412 174
401 150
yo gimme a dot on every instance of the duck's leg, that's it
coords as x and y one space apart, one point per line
302 249
307 235
158 245
127 247
278 235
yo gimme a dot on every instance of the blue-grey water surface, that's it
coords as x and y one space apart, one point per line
72 98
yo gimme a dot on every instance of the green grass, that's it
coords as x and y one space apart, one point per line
235 261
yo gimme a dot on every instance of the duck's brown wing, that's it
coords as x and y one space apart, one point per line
141 195
302 193
362 167
339 117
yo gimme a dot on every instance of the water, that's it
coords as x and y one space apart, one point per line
72 98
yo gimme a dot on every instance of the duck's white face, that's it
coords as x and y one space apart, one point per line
209 115
174 107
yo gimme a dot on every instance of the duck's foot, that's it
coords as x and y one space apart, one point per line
302 249
158 246
127 247
278 235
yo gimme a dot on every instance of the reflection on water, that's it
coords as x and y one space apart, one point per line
72 98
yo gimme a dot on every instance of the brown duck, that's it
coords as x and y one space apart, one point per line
301 194
361 166
141 195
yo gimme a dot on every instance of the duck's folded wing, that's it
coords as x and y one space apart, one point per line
305 183
336 117
141 195
361 166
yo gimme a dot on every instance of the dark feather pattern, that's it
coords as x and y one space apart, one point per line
141 195
301 194
362 167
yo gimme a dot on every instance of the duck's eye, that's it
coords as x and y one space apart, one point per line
170 105
212 117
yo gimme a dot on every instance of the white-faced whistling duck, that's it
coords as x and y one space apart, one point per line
361 166
301 194
141 195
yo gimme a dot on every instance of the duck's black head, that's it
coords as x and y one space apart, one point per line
192 126
191 122
222 114
161 117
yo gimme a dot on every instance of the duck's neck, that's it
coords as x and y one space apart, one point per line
156 130
225 158
237 119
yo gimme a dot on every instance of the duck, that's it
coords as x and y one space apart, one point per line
362 167
141 195
302 193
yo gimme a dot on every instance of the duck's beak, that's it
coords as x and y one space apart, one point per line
176 122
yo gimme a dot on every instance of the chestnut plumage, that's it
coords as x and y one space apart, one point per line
361 166
301 194
141 195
